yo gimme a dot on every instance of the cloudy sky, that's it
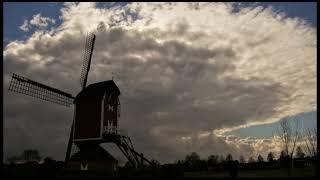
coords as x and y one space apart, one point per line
214 78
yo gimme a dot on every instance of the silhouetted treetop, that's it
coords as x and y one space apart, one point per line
193 157
283 154
251 160
299 152
260 158
229 157
241 159
213 159
270 157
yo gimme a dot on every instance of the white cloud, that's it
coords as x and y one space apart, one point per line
38 20
184 70
252 147
25 26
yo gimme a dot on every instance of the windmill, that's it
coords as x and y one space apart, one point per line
96 110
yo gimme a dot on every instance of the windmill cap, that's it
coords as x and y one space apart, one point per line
97 90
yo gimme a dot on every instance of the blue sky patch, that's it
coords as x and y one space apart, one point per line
308 120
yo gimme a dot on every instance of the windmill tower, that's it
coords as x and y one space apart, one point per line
96 111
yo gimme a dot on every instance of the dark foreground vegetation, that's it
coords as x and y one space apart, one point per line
192 166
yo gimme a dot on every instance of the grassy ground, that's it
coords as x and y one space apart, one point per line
298 172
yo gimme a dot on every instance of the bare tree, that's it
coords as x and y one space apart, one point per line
289 136
310 141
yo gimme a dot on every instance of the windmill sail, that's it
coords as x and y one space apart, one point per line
28 87
87 59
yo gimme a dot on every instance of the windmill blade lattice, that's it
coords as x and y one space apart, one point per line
22 85
87 59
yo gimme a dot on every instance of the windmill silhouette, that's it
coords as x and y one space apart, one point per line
96 110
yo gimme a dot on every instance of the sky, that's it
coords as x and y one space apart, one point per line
214 78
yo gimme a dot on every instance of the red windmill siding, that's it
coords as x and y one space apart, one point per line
89 111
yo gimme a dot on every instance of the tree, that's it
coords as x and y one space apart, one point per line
49 162
179 163
270 157
31 155
229 157
284 159
241 159
251 160
48 159
260 158
13 159
193 157
221 158
299 152
289 136
155 163
283 154
213 160
193 160
310 141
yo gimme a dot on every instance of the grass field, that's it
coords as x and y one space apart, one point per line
298 172
263 173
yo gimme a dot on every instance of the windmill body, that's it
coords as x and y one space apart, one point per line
96 112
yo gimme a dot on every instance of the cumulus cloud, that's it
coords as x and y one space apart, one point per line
188 72
36 21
